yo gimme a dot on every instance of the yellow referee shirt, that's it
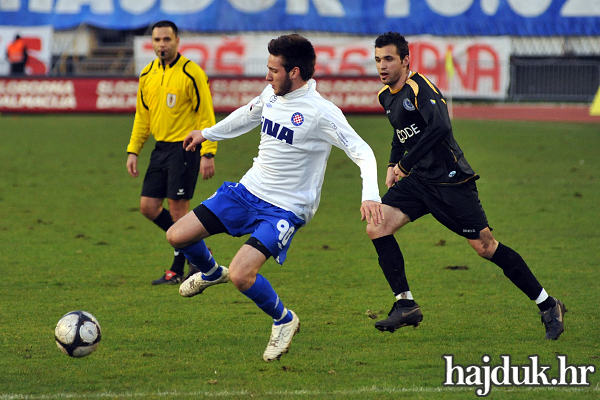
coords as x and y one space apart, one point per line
172 102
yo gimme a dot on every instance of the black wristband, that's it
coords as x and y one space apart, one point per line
391 164
208 155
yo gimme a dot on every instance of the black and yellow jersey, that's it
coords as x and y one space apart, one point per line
171 102
423 143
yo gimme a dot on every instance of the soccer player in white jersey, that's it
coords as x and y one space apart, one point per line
280 193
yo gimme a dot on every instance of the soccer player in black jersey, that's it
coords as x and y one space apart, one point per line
428 174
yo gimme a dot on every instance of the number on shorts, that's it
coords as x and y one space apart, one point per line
285 231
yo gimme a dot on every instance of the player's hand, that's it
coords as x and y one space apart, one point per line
132 165
390 177
192 140
371 211
398 172
207 167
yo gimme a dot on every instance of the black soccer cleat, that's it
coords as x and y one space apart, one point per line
552 319
400 316
169 278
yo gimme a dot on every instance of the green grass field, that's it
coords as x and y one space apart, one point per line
72 238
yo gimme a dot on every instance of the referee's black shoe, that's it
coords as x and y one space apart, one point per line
552 319
400 316
169 278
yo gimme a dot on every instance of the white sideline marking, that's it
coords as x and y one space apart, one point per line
280 393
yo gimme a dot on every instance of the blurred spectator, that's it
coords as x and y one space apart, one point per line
16 53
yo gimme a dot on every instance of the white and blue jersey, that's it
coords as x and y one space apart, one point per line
297 132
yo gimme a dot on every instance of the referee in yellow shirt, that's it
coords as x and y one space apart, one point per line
173 99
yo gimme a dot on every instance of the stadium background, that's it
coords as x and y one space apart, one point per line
85 55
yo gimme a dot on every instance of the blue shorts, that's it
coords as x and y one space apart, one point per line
243 213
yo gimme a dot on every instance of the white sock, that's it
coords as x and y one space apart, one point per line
283 314
405 296
542 297
213 270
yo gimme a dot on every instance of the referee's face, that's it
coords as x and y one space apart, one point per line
165 43
392 70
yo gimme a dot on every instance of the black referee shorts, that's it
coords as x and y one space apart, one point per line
172 173
457 207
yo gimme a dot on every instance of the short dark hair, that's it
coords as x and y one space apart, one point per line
166 24
296 51
393 38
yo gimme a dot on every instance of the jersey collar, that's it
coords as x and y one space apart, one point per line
172 64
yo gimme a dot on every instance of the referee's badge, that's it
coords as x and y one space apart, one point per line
171 100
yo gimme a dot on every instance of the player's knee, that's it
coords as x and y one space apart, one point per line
485 249
175 238
149 211
482 252
371 231
378 231
240 280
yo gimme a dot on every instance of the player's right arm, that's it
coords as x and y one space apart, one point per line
235 124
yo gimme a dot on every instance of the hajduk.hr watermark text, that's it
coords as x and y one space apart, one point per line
484 376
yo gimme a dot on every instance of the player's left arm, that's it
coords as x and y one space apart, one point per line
432 108
337 131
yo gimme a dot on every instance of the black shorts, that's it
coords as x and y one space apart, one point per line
172 173
457 207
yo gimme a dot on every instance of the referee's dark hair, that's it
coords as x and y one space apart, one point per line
393 38
296 51
164 24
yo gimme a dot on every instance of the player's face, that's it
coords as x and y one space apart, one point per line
277 77
392 70
165 43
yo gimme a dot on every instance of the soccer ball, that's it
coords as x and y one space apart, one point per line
77 334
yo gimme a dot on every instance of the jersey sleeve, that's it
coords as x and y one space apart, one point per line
432 108
203 104
141 124
240 121
336 130
397 149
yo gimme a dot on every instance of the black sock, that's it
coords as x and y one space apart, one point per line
547 304
515 269
164 220
406 303
391 263
178 263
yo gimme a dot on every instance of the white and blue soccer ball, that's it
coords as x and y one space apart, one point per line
77 334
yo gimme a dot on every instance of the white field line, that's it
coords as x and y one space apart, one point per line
295 393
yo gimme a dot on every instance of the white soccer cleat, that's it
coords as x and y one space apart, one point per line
195 284
281 338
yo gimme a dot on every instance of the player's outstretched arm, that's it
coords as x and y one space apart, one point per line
193 139
371 211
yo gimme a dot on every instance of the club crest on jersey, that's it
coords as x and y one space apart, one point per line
297 119
171 100
408 105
